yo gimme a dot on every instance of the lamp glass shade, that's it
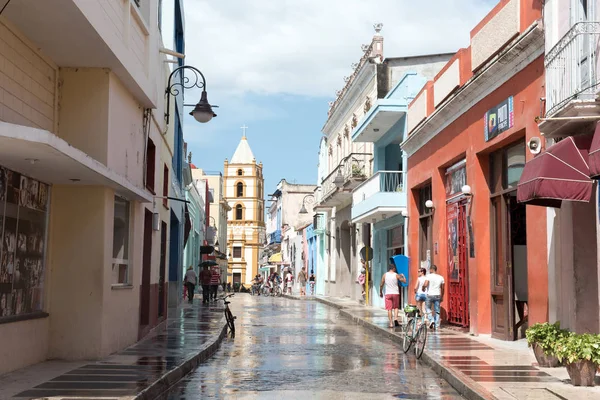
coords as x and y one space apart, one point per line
466 189
339 179
203 111
303 210
429 204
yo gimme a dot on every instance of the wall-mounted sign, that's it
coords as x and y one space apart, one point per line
499 119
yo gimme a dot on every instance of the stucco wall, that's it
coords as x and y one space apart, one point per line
84 124
125 136
27 82
23 343
77 260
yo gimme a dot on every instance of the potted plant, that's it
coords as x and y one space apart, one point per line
542 338
581 354
357 171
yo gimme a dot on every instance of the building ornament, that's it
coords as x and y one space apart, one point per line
346 131
354 121
367 104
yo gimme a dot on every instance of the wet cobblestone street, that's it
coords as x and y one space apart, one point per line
302 349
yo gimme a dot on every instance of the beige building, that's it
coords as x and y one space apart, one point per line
244 192
218 209
82 156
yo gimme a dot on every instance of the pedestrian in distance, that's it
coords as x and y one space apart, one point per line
434 284
205 277
302 280
191 279
389 280
420 293
214 281
289 282
311 283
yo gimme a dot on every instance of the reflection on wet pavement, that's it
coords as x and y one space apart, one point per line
295 349
134 369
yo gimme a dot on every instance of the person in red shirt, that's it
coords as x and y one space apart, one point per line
215 279
205 277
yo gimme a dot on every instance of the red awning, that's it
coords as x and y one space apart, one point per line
559 173
595 154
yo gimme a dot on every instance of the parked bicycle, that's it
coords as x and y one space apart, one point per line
415 330
228 315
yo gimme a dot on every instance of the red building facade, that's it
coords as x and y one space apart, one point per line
466 149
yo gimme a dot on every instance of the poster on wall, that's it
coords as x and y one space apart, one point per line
453 259
23 206
499 119
2 189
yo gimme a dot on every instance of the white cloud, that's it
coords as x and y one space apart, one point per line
306 46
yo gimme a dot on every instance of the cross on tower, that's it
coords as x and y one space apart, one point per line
244 130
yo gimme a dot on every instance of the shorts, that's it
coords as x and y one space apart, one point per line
420 297
392 301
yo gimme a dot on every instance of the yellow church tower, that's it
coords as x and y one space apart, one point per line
243 185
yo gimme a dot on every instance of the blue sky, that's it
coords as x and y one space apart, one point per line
275 65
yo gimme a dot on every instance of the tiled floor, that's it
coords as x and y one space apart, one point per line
128 372
508 370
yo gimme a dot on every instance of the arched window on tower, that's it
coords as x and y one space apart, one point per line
240 172
239 211
239 189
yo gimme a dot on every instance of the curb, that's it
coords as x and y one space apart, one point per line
170 378
456 379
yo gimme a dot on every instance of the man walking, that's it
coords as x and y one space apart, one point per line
215 278
302 280
434 284
190 283
392 293
205 277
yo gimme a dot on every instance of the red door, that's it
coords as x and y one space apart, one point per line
458 283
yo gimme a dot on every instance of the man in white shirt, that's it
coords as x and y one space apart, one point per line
389 280
434 284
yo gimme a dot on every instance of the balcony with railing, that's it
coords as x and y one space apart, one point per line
320 223
275 237
351 172
381 196
572 78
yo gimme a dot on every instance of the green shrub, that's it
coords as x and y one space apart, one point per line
546 335
575 347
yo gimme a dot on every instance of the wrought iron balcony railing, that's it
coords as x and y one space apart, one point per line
571 67
355 166
380 182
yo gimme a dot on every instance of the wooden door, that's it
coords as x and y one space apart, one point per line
502 272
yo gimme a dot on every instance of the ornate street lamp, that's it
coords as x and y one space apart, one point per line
303 210
203 111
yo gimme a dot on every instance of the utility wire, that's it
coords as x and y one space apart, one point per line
4 6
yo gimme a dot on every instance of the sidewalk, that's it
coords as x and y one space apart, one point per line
478 367
191 334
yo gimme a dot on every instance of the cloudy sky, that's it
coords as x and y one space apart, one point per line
274 65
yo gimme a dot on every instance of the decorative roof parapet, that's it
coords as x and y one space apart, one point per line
370 51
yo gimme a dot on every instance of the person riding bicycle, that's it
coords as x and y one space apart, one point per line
256 284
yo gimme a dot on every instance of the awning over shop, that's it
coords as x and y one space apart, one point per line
267 268
595 154
275 258
560 173
57 162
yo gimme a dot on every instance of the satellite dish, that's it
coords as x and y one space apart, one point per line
363 253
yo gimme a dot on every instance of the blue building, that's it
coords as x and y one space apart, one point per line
381 200
177 208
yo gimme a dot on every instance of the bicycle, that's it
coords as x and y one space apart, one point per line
415 330
228 315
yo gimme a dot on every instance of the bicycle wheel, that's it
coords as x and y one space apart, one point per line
278 291
420 340
230 322
408 335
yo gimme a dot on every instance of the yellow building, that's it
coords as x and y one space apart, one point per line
244 185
